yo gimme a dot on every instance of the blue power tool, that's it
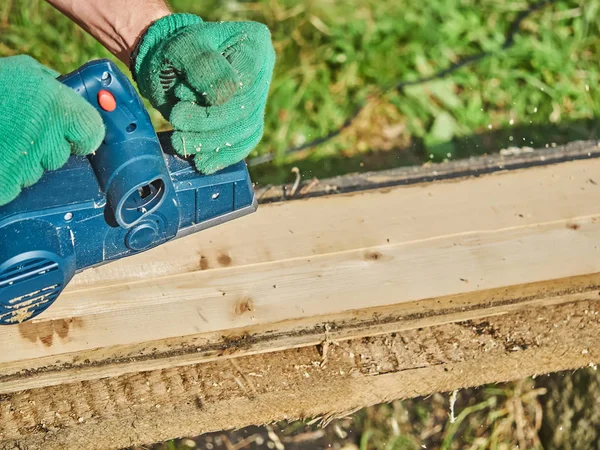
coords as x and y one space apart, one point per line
127 197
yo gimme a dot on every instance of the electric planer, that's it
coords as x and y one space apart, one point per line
128 197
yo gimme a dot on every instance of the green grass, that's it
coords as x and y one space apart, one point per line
495 417
334 56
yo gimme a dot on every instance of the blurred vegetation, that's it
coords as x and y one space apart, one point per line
495 417
334 56
556 411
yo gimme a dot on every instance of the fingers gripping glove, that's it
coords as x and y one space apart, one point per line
211 81
42 122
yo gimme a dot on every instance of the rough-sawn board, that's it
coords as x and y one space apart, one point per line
357 256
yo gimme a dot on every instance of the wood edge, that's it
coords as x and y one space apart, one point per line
430 172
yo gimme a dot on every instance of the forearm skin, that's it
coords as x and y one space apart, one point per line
116 24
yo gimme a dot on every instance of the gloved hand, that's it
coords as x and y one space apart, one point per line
42 122
211 81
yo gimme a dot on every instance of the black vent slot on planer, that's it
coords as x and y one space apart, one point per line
26 270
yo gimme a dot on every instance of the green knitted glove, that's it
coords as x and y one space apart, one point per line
211 81
42 122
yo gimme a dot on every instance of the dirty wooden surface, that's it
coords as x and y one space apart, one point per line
289 274
404 258
147 407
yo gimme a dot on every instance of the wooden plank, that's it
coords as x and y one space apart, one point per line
313 228
141 408
285 275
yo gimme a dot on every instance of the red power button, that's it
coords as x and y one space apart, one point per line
107 101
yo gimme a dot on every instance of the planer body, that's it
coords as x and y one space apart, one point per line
128 197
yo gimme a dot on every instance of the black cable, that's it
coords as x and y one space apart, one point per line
509 41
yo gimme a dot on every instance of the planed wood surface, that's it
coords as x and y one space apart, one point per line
397 256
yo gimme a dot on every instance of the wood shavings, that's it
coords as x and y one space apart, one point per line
310 186
452 403
297 182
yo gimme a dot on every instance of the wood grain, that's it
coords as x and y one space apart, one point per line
146 407
292 272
